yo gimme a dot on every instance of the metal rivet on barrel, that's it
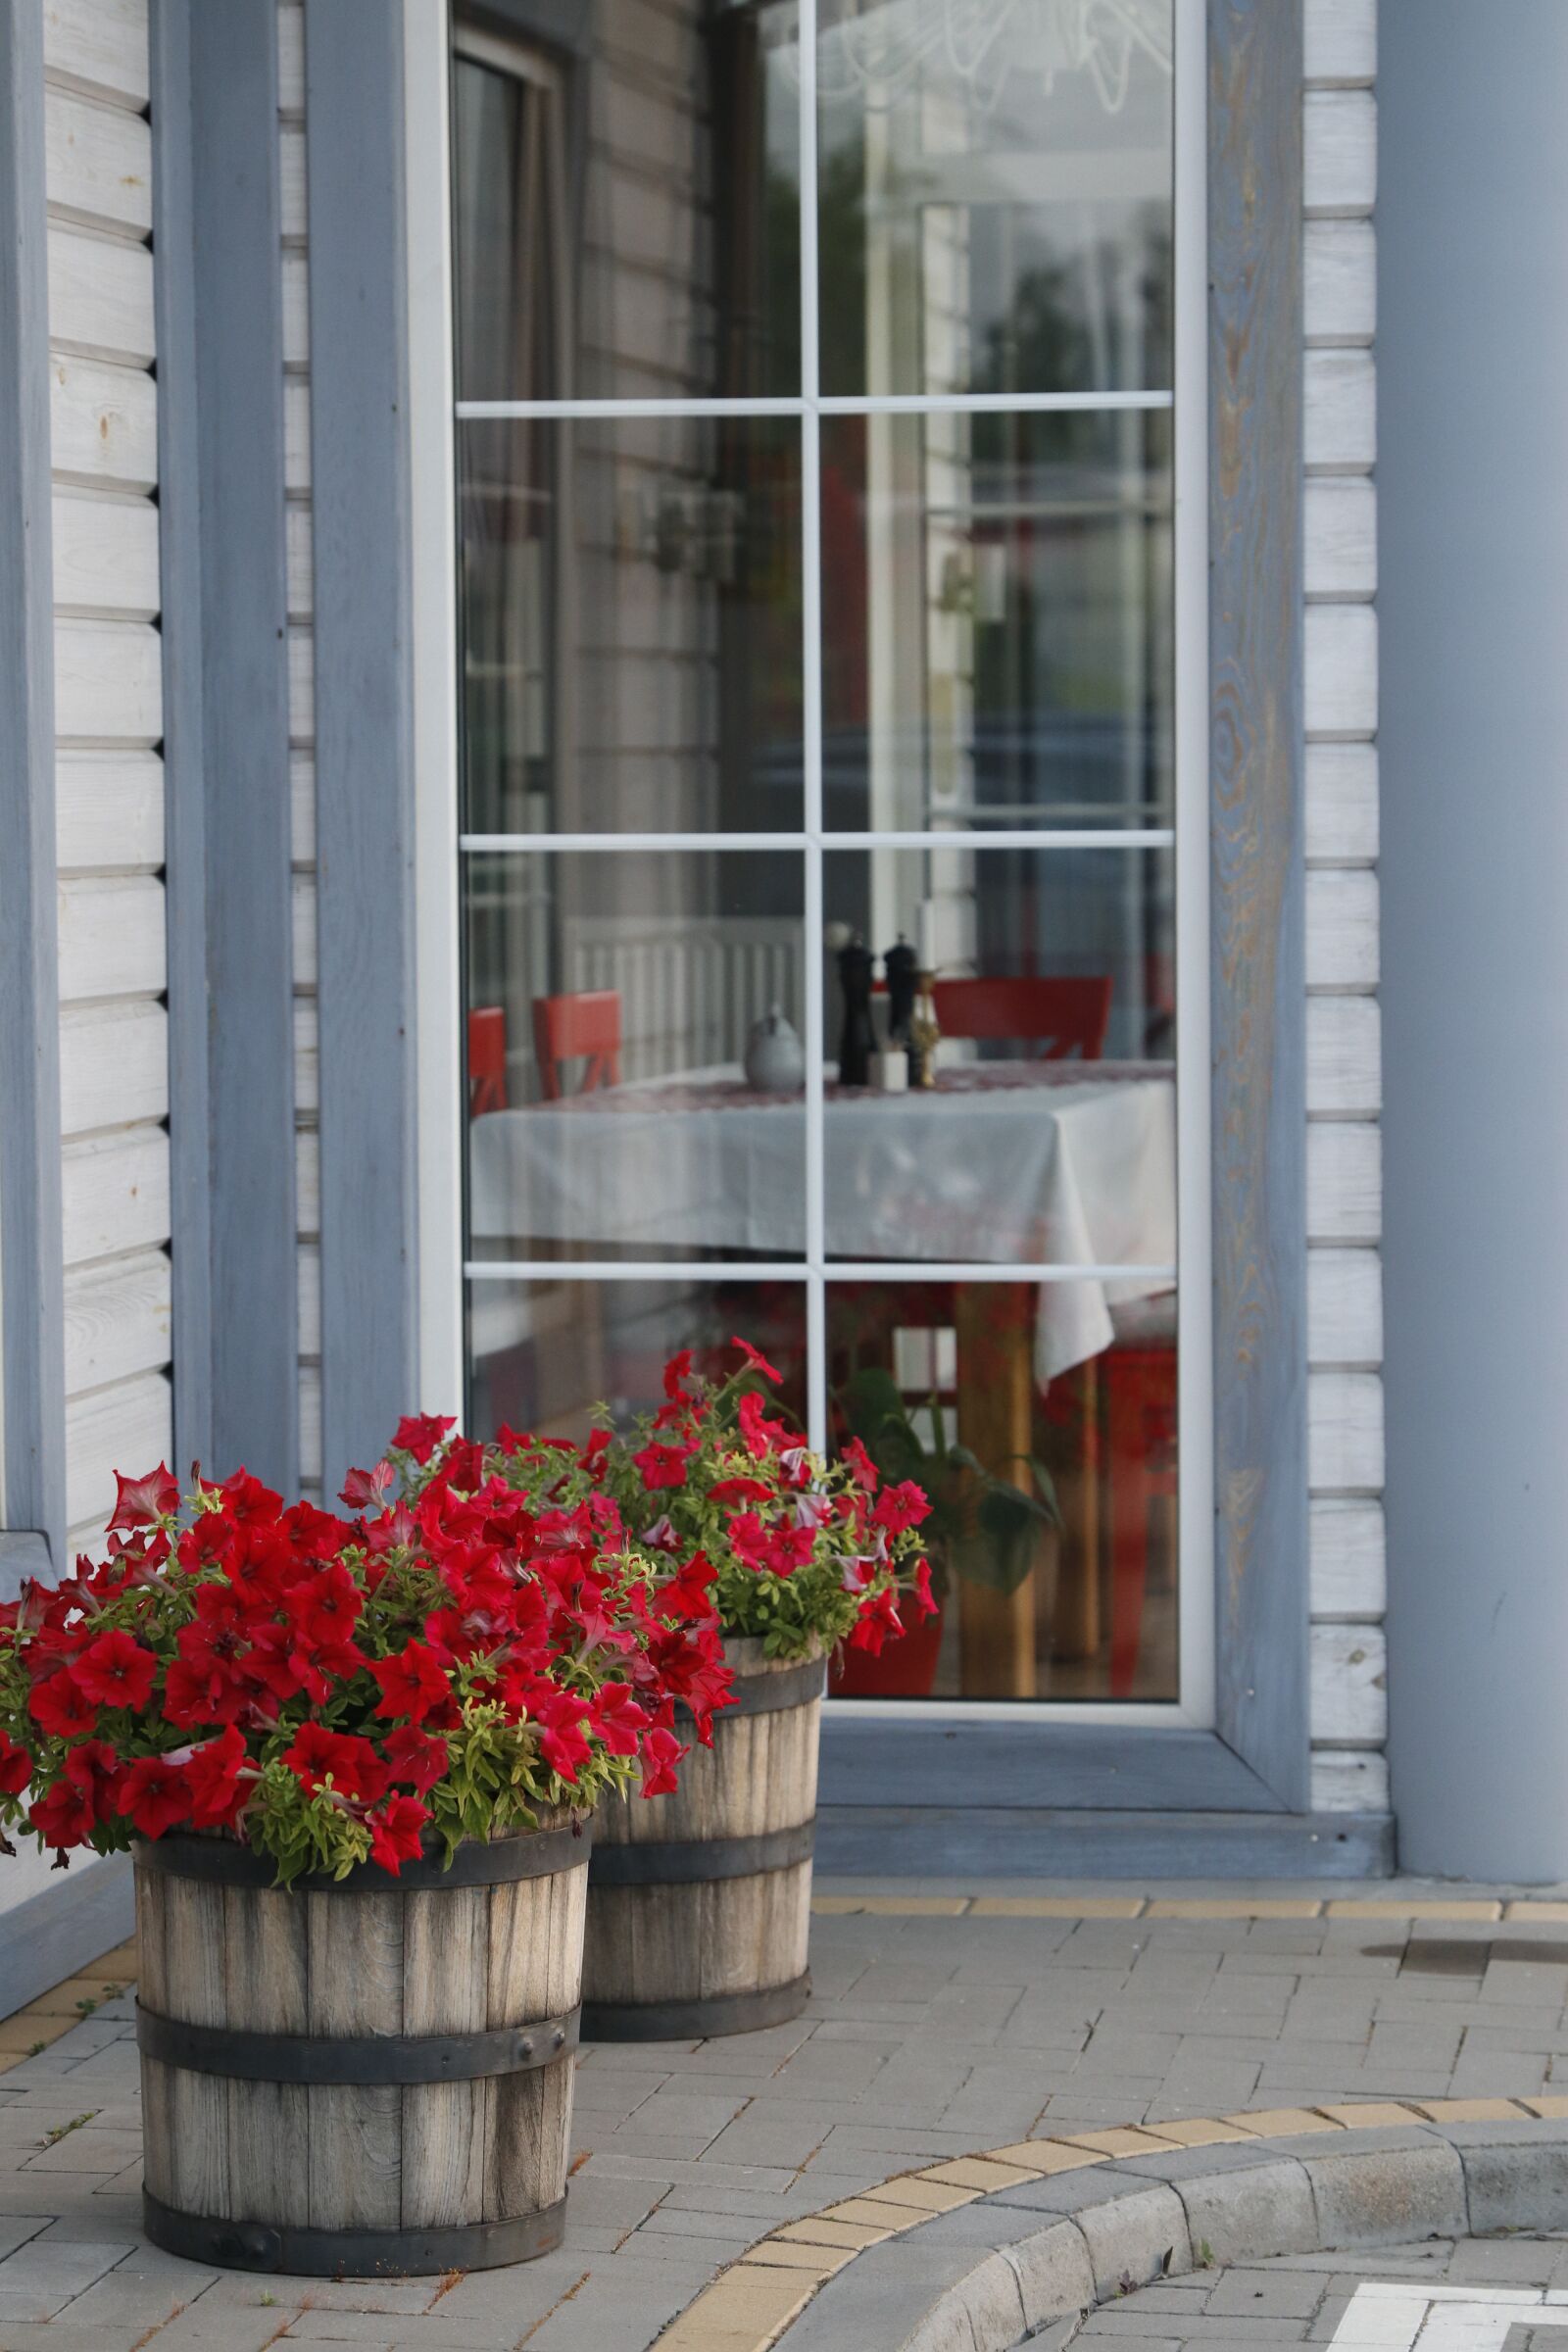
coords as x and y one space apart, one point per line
525 2046
560 2035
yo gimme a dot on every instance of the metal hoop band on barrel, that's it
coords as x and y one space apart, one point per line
770 1694
693 2021
355 2253
693 1861
344 2058
219 1861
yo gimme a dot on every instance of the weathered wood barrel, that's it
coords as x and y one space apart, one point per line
699 1903
360 2077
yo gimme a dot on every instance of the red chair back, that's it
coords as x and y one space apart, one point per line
1065 1015
573 1028
487 1060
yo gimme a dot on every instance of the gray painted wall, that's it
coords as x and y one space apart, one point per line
1473 383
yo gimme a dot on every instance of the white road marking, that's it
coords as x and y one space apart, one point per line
1392 2315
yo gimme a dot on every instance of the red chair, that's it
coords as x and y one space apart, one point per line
487 1060
1065 1015
581 1027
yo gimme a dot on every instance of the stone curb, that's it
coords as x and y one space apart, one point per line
980 2252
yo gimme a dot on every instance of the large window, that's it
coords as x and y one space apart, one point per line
825 479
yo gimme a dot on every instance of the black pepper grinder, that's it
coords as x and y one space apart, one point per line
900 966
858 1043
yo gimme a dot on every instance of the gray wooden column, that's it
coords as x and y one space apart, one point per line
1257 884
31 1280
225 579
363 728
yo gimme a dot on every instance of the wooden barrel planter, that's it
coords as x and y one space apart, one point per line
361 2077
699 1903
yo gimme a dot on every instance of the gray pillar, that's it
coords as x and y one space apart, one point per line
1472 484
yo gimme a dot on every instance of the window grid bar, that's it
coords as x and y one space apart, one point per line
811 734
829 404
1015 837
794 1269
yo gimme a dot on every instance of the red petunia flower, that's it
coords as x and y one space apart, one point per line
740 1490
16 1767
154 1796
93 1770
412 1683
63 1817
662 1467
865 1470
367 1489
61 1706
419 1434
675 1375
116 1671
661 1753
411 1755
755 1362
900 1507
355 1768
760 1436
212 1776
142 1502
395 1829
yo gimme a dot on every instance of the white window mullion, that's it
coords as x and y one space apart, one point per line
811 733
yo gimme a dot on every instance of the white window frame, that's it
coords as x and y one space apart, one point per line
441 846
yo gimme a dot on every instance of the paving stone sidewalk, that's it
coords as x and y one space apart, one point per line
943 2020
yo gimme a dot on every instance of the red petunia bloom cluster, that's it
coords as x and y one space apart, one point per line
467 1649
803 1553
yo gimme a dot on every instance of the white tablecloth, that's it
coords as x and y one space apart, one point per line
1002 1163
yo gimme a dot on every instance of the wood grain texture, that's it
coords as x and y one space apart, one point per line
115 1193
31 1365
1342 669
363 726
1340 143
1342 802
1349 1780
1339 262
1350 1684
184 852
963 1841
106 557
117 1320
1344 1057
1339 40
113 1066
1343 1181
98 165
1348 1567
99 46
102 424
101 297
131 1422
238 313
1344 1417
1341 422
1256 880
728 1935
1341 537
1344 1308
111 930
108 682
1341 928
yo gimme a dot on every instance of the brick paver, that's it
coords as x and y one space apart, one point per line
942 2022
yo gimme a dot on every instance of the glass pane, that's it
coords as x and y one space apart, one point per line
627 218
996 196
997 618
1048 1133
1056 1558
612 1004
544 1354
631 626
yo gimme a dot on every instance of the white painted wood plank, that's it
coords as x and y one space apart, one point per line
1341 670
1340 420
1350 1681
1342 802
1340 535
109 810
300 549
1343 1181
98 163
1344 1057
1340 288
102 424
101 297
291 180
296 436
106 557
111 938
115 1193
98 46
108 682
1349 1780
128 1427
301 807
113 1066
1350 1576
117 1320
303 911
1339 40
307 1184
1342 927
290 58
1344 1308
307 1057
309 1301
1345 1433
301 687
1340 151
296 311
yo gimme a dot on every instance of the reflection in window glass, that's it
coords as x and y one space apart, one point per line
1041 1421
996 605
612 1002
995 202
